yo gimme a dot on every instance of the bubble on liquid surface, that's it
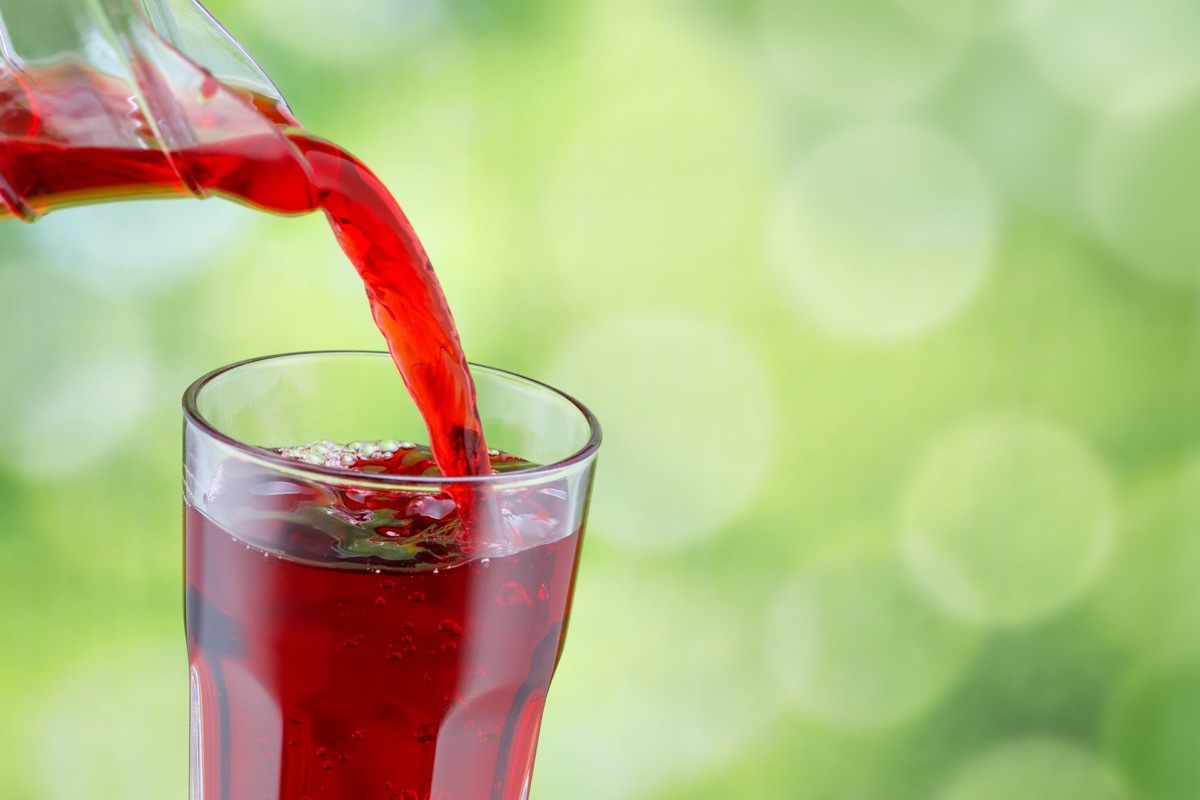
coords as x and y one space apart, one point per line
401 524
331 454
1007 518
884 232
854 643
1036 767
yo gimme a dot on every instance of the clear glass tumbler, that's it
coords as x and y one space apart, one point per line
381 631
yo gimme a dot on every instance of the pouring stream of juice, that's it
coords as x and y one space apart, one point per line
140 119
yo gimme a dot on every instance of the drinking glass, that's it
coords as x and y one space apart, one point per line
365 634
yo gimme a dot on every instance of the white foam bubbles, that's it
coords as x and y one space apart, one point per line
1100 52
1036 767
853 643
691 425
884 232
136 248
861 53
1007 518
1143 185
106 728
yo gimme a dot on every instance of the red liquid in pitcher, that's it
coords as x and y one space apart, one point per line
350 681
75 136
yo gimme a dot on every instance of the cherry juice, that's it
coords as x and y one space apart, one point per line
327 670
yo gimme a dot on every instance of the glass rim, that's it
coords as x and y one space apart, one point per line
578 458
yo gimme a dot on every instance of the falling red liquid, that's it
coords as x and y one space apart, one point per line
73 136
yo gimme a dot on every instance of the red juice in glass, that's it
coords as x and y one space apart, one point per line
350 637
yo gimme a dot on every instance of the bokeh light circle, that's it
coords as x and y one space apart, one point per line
853 643
137 248
80 382
113 727
1101 52
1007 518
1036 767
353 32
861 53
1149 601
884 232
86 410
638 704
1143 185
690 425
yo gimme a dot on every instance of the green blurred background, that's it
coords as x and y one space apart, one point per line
889 308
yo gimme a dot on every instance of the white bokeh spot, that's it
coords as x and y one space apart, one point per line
884 232
1036 767
862 53
115 726
690 425
84 412
353 32
1143 185
79 383
1007 518
1101 52
638 690
854 644
137 248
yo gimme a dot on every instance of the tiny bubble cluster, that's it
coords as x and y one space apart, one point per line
330 454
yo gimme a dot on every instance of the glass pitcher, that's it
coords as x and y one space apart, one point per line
103 99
